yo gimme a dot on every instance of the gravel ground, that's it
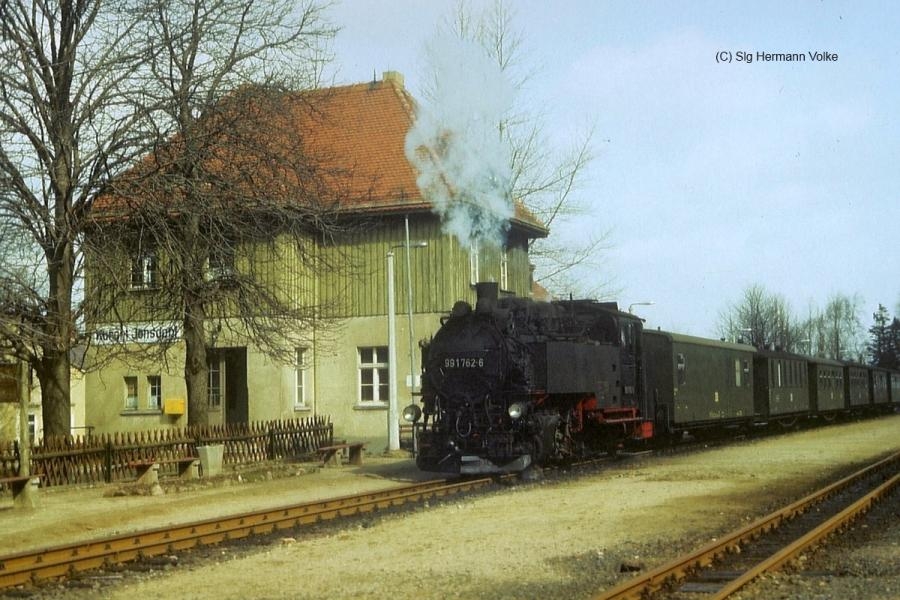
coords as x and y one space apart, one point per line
566 538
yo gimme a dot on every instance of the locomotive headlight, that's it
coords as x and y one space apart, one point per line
412 413
516 410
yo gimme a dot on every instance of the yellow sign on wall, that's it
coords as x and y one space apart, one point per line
174 406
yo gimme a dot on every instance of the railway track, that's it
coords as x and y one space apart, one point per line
721 568
67 560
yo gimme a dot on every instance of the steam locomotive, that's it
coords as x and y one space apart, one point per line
512 383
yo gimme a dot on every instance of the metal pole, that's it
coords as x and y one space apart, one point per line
393 421
409 313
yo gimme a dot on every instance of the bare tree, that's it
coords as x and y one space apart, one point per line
223 217
544 179
66 126
763 320
842 328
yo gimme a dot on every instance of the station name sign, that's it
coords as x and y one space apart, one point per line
137 333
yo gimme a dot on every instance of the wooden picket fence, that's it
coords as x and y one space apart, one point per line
88 459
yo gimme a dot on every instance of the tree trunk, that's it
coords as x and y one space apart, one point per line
53 373
196 370
53 365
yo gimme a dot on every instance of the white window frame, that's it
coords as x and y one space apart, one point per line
131 400
300 369
144 271
154 400
367 360
220 263
217 374
504 269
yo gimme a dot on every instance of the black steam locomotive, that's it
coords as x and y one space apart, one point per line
513 383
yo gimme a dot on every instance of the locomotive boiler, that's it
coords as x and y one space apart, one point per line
513 383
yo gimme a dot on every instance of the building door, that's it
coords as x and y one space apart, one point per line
229 367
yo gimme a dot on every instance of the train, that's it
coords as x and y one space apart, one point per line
514 384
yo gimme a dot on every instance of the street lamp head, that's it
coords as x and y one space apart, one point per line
413 244
633 304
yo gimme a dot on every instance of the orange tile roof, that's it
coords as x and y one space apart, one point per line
358 133
362 128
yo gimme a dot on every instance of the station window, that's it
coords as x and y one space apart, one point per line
154 392
131 393
220 264
143 270
373 374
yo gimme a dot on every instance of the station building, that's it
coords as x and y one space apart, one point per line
342 371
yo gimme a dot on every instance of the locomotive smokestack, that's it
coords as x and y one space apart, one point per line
488 292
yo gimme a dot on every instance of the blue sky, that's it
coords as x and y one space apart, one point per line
710 176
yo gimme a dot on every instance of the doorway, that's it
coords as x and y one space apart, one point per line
228 372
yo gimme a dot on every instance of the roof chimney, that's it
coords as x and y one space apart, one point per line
394 77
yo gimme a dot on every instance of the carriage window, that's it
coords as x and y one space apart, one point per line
737 373
681 368
778 371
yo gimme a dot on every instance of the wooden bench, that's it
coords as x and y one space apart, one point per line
17 484
331 455
148 468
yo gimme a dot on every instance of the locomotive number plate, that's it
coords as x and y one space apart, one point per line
464 362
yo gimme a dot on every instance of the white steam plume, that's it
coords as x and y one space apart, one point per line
455 144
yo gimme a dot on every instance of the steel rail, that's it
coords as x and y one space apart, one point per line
66 560
676 570
814 537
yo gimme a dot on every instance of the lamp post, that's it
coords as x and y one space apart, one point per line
393 425
633 304
393 420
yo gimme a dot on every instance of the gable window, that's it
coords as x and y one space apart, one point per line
144 270
131 393
154 392
221 262
373 374
300 379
